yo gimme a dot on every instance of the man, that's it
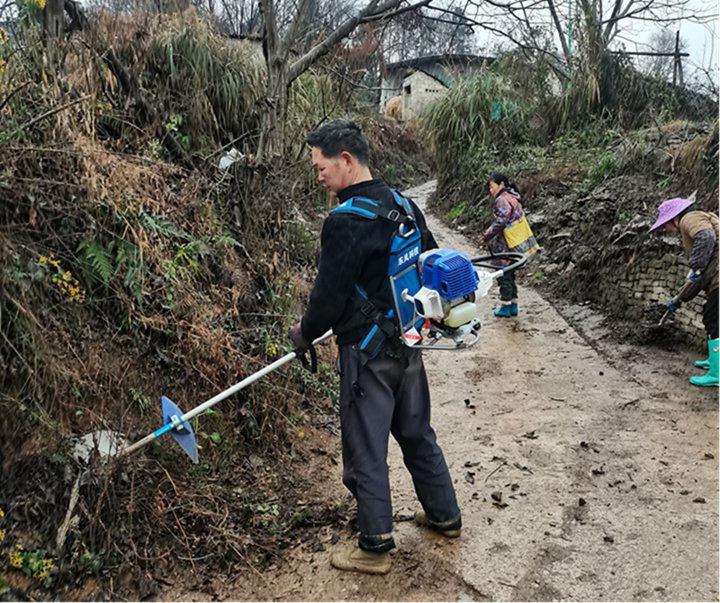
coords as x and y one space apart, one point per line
383 394
699 233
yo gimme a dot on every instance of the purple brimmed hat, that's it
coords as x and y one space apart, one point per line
669 209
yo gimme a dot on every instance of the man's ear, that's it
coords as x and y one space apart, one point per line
347 158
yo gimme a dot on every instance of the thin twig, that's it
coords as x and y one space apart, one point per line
496 470
6 100
62 532
52 111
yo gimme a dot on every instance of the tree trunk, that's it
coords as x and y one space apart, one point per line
281 73
54 18
274 111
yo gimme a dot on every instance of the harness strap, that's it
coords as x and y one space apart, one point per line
312 364
371 210
384 328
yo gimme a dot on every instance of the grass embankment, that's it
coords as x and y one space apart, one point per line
133 267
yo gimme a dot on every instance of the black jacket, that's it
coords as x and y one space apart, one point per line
354 250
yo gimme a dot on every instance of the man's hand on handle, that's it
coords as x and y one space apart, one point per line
295 334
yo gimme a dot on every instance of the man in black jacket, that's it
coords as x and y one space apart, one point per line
387 393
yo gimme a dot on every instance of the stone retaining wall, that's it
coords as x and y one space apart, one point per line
598 249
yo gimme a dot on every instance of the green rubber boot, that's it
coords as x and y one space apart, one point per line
504 311
711 378
703 364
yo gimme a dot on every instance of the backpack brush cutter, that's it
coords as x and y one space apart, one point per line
450 284
434 299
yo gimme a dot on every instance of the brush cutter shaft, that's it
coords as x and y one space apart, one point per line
238 386
140 443
176 423
245 382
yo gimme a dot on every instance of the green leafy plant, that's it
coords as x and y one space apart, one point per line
31 563
267 514
4 585
156 149
607 166
161 225
120 258
457 211
663 184
144 402
173 125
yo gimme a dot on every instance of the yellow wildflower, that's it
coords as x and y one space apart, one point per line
2 535
41 4
42 260
2 513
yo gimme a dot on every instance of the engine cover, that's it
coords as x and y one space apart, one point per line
448 272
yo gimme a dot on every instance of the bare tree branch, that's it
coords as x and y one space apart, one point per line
298 25
373 9
558 27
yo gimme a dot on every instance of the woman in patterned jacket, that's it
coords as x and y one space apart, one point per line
507 210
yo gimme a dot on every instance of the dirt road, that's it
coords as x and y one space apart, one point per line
585 470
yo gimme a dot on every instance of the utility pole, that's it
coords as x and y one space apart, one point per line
677 63
569 44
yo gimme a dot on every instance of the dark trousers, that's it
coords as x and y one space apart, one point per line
389 395
710 314
508 288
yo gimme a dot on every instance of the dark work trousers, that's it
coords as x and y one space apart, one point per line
391 396
508 288
710 314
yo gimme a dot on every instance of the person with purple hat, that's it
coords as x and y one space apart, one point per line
699 232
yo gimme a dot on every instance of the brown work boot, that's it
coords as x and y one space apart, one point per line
356 559
449 529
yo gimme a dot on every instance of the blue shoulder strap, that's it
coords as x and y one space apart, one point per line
404 203
367 208
358 206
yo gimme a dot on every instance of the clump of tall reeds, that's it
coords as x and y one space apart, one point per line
211 80
477 114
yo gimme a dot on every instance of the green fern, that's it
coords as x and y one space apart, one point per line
188 256
128 258
225 241
162 226
97 264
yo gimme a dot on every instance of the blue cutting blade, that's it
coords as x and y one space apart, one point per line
184 435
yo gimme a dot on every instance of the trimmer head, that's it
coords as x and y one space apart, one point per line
182 433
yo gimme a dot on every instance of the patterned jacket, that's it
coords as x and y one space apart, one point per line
507 207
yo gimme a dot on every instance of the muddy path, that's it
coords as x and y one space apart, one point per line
585 470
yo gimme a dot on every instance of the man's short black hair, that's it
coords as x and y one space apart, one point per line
340 135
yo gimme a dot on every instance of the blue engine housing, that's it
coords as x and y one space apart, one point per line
450 273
